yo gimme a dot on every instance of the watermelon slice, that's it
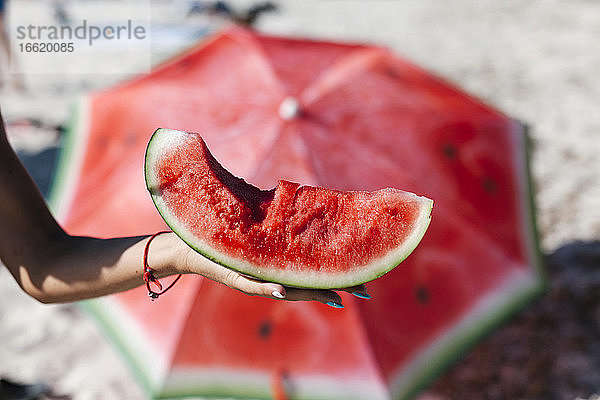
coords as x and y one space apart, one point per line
296 235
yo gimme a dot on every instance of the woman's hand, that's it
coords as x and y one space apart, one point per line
193 262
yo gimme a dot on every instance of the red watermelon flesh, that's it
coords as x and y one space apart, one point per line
296 235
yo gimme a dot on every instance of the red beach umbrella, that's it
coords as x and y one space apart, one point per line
344 116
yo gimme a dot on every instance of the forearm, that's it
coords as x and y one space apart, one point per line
53 266
80 267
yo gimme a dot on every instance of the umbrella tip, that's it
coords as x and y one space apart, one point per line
289 108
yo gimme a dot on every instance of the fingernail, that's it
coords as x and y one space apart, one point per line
277 293
362 295
334 304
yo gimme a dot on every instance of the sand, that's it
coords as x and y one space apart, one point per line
537 61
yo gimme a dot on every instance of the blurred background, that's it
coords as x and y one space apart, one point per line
537 61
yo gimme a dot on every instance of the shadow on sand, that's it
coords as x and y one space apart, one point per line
549 351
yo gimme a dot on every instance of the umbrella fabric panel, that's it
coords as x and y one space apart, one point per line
305 342
298 63
434 288
121 125
108 184
449 146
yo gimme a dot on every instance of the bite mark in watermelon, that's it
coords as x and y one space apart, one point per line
296 235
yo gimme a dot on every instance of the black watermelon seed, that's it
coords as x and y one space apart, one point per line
422 294
265 329
489 185
449 151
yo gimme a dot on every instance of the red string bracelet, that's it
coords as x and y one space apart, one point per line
149 272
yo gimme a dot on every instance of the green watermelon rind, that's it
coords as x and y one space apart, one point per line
164 139
248 384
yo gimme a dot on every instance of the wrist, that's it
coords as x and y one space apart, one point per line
165 255
167 266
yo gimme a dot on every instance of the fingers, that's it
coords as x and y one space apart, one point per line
255 287
358 291
328 297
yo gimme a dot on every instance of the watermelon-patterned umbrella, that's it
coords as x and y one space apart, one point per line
343 116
